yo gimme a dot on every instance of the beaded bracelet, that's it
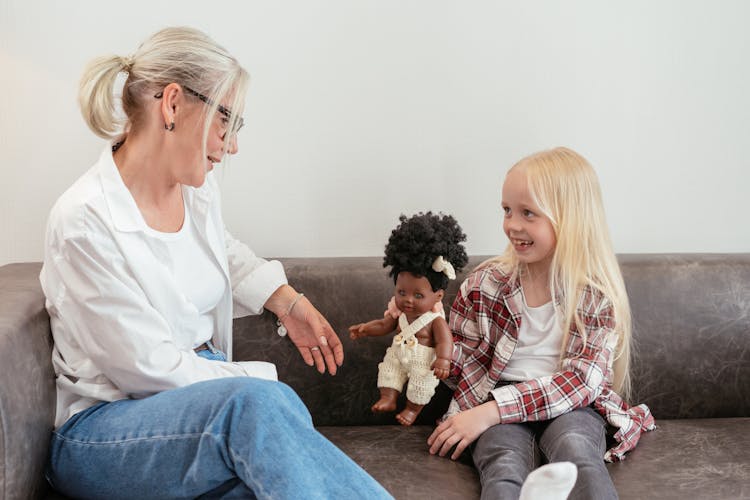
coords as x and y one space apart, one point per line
281 330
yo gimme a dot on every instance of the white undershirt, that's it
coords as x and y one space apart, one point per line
197 276
537 353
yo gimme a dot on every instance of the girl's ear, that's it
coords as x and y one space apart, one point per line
440 294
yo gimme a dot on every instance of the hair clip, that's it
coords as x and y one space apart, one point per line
441 265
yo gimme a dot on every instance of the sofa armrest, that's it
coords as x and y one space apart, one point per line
27 387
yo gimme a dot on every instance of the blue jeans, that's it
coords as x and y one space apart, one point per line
227 438
506 453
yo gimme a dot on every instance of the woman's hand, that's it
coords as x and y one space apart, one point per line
308 329
462 429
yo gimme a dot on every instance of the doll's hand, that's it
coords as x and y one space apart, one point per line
357 331
441 367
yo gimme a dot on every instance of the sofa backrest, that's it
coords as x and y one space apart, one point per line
691 316
691 328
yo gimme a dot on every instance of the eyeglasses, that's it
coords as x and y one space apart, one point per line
221 109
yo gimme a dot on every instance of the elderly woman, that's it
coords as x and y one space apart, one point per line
142 282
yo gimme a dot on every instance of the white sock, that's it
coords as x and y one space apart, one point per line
550 482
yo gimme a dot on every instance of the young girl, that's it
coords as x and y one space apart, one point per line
424 252
542 338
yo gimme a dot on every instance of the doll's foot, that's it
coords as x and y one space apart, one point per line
387 401
384 405
407 416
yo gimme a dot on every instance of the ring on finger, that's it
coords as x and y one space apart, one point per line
315 348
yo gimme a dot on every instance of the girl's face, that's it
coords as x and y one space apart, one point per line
414 295
531 233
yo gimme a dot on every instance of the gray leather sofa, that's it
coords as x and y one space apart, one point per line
692 367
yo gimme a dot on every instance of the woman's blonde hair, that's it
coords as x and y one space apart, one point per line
173 55
565 187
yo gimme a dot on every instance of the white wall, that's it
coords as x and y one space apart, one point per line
362 110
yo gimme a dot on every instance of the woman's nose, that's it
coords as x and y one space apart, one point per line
233 147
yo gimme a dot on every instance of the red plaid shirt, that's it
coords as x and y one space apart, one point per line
485 318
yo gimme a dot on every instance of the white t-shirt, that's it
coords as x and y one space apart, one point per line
537 353
197 275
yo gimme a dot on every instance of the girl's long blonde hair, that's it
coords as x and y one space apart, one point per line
180 55
565 187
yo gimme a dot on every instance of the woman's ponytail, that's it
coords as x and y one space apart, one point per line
96 95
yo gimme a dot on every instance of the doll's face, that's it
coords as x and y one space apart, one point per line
414 295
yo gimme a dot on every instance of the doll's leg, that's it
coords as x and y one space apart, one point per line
391 379
504 455
579 437
387 401
418 394
409 413
422 384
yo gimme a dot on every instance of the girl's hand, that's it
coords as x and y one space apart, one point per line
462 429
441 368
315 339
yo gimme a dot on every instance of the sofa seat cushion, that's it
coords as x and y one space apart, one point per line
700 458
397 457
691 458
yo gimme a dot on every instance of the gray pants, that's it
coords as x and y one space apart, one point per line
506 453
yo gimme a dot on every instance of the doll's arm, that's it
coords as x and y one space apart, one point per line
443 339
374 328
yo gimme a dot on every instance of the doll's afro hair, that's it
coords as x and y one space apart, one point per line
419 240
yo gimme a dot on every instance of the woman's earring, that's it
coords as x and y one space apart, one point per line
169 127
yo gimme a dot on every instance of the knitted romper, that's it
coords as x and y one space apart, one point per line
406 359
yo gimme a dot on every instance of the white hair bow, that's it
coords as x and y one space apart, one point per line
443 266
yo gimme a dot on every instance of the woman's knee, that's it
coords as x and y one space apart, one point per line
264 397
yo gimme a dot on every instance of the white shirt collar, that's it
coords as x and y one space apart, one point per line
126 216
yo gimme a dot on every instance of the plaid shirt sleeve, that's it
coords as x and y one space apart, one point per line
583 374
463 324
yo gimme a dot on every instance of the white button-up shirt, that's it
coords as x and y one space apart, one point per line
116 313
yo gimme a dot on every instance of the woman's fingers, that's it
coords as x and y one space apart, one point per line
330 352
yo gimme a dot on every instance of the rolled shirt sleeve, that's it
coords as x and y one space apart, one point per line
253 278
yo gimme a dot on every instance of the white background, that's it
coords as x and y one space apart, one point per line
361 110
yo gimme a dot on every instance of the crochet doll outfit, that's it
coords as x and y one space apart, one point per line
407 359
